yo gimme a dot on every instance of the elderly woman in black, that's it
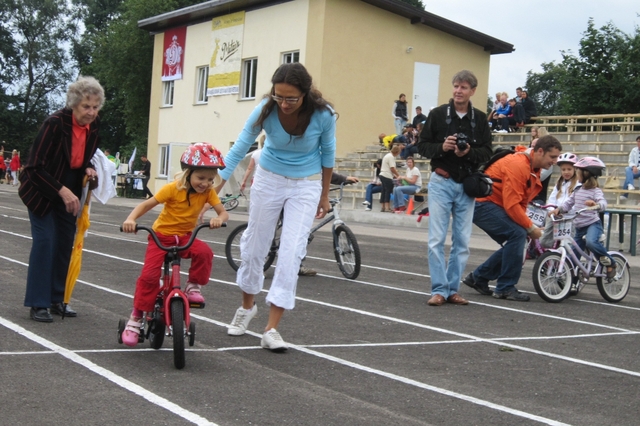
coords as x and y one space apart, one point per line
51 187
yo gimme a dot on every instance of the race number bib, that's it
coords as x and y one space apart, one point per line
562 228
537 215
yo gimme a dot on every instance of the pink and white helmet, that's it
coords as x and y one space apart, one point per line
567 157
591 164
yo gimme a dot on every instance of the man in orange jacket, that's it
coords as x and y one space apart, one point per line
503 216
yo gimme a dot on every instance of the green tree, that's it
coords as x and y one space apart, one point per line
35 65
601 79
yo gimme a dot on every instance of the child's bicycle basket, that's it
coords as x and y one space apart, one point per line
562 227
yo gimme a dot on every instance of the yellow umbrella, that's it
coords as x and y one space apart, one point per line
76 255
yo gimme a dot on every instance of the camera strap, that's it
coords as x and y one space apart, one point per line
448 119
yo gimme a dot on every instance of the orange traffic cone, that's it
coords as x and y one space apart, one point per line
410 207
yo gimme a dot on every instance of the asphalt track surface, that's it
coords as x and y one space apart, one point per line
363 352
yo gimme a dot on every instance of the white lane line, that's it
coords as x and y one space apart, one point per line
118 380
431 388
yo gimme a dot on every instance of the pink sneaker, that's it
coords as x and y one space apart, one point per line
131 332
193 293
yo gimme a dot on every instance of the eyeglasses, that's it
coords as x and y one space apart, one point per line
290 101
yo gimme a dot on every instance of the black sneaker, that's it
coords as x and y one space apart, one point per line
512 294
480 288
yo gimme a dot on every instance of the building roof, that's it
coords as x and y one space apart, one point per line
204 11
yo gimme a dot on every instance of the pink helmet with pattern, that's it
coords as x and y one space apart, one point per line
202 155
567 157
591 164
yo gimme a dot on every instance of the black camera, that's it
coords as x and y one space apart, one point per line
461 141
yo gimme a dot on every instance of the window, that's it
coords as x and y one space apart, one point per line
163 163
289 57
167 93
201 89
249 76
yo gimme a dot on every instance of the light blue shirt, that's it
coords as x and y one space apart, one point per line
284 154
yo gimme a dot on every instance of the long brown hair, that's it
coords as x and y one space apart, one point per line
296 75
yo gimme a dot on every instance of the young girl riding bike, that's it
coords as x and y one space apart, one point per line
567 183
183 200
588 223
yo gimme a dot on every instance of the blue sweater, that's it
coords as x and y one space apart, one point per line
283 154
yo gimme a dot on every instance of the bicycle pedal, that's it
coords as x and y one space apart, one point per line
196 305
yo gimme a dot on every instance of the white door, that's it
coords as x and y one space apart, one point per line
426 80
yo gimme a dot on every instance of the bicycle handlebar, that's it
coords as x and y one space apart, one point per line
577 213
176 248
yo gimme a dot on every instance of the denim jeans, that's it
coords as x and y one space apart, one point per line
399 123
448 200
505 265
399 191
629 177
593 233
372 189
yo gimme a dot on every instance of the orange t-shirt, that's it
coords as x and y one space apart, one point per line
78 143
179 216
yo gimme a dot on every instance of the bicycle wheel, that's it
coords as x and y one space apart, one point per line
156 332
231 204
614 290
550 285
232 248
177 326
347 252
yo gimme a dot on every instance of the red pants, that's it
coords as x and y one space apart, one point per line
148 284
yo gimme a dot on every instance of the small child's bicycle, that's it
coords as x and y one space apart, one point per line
172 309
556 271
230 201
345 245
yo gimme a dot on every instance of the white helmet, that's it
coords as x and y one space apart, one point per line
567 157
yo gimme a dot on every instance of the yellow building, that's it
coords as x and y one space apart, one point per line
361 53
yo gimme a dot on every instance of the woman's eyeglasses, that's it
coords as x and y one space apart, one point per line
290 101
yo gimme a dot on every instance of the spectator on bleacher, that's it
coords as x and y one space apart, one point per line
633 170
419 118
375 187
388 172
519 94
536 133
501 115
529 107
409 184
386 140
412 148
448 203
516 116
399 113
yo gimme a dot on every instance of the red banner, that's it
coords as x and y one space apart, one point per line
175 41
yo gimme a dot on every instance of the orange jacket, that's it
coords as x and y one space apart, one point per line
515 184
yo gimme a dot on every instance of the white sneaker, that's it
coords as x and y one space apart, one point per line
273 341
241 321
631 187
503 131
623 196
367 209
366 203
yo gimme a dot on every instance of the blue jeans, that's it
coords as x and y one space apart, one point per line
399 122
372 189
399 191
408 150
448 200
593 233
629 177
505 265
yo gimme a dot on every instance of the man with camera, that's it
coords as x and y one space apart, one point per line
457 139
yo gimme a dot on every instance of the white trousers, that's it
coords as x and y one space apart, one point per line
270 194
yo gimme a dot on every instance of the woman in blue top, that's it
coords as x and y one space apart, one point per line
293 175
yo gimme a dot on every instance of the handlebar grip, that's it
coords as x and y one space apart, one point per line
122 230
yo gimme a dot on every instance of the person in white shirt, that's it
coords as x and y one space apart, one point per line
633 171
409 184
